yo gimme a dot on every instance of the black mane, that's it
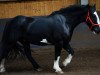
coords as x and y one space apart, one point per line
70 9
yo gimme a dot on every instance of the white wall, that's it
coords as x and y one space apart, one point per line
84 2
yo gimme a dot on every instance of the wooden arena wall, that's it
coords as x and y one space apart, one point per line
32 8
97 2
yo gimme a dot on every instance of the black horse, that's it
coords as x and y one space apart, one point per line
56 28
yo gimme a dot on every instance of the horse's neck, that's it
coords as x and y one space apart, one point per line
78 18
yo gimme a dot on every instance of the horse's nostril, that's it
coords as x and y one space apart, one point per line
96 30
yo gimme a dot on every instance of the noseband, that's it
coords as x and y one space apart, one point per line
88 18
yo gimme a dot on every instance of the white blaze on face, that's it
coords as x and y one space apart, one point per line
44 41
98 20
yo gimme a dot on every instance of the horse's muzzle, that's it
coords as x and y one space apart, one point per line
96 30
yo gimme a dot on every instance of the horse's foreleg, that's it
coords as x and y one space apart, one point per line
30 58
58 48
2 68
70 51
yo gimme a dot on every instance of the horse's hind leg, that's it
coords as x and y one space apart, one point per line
70 55
3 55
2 68
30 58
2 62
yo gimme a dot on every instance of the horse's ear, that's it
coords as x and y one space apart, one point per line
87 5
94 5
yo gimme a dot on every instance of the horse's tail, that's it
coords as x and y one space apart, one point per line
10 34
2 46
1 52
5 32
13 29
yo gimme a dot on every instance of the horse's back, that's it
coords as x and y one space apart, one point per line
45 27
34 28
39 29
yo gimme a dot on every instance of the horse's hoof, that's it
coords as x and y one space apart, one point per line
59 72
39 69
2 70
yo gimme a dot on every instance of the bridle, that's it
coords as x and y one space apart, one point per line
88 18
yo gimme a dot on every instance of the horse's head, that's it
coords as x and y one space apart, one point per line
92 19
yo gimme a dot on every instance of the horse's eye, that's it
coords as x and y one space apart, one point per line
93 16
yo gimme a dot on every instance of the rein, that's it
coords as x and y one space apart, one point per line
88 18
